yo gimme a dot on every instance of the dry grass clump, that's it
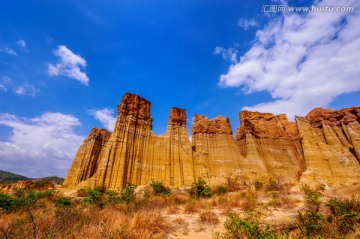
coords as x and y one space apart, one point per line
180 225
148 204
148 224
177 199
249 200
235 199
232 184
281 199
192 206
209 217
180 221
45 220
173 210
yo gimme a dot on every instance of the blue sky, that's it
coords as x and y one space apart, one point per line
64 66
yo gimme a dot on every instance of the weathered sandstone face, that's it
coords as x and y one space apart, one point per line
172 153
330 142
266 125
270 144
216 155
319 116
87 158
322 148
128 148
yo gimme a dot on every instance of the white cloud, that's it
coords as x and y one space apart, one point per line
247 23
40 146
303 61
3 82
8 51
21 43
106 117
70 65
25 89
226 54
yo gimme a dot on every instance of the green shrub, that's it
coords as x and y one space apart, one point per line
201 189
23 198
88 200
312 223
236 227
9 203
113 197
160 189
345 214
62 201
110 193
94 196
221 190
127 194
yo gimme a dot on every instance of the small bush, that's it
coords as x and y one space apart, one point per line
232 184
221 190
94 196
250 200
258 185
344 214
312 223
279 199
160 189
81 193
209 217
112 197
201 189
236 227
274 185
9 203
62 201
41 184
23 198
177 199
110 193
127 194
191 206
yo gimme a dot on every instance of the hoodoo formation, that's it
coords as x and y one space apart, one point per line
321 149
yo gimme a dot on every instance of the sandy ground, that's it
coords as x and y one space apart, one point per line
190 226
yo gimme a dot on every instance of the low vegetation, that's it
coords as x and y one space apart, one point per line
160 189
158 211
201 189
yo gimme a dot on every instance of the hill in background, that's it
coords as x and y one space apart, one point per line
11 177
14 178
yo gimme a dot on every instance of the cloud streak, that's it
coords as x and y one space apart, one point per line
106 117
227 54
247 23
8 51
303 61
69 65
26 89
43 145
21 43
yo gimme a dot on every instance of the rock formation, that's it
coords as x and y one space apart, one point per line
87 158
271 146
321 149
